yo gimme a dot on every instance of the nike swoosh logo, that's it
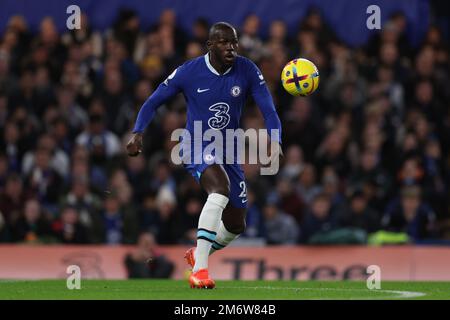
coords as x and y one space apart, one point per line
244 201
202 90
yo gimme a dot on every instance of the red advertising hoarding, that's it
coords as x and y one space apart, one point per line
296 262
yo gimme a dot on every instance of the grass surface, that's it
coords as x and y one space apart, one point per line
225 290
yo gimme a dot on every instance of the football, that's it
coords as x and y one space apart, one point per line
300 77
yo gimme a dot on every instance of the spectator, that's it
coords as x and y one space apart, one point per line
331 188
359 214
319 219
101 143
59 160
139 176
280 228
148 215
146 262
200 30
250 41
13 146
69 229
410 215
278 34
124 210
44 93
8 82
81 167
12 198
332 152
49 41
162 177
370 170
300 125
314 21
290 201
173 36
61 134
83 199
411 172
307 186
293 162
33 225
43 181
74 114
168 217
115 97
112 221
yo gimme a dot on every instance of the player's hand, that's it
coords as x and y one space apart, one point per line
134 146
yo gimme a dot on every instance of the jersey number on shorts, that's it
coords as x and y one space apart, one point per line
243 194
221 117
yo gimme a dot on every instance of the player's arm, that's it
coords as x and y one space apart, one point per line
264 101
166 90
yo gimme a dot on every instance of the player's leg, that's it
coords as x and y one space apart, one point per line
231 226
215 182
233 217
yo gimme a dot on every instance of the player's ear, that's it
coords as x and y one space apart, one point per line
208 44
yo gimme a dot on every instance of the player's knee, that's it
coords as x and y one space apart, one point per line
223 190
222 187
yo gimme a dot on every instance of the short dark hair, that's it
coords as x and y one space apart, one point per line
220 26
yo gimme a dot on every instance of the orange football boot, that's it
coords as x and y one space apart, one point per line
189 257
200 279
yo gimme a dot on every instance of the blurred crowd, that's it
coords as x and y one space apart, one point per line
366 157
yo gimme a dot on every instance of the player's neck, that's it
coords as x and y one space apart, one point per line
220 68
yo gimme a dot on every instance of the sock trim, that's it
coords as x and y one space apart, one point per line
204 238
217 246
209 231
207 235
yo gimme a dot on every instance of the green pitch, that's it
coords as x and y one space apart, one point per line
226 290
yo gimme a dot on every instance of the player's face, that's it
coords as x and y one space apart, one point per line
224 46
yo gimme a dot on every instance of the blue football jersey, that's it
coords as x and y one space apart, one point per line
216 100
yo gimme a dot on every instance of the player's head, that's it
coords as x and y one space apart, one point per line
223 43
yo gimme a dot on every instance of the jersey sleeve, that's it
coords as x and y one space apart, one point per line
263 99
166 90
